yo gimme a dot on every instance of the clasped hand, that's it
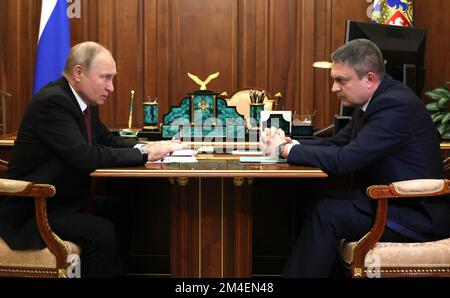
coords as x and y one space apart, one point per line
270 139
160 149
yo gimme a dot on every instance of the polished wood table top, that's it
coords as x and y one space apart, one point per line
214 166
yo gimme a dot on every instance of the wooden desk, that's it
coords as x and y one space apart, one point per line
211 211
6 146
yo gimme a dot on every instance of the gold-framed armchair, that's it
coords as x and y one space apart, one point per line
370 258
52 261
241 100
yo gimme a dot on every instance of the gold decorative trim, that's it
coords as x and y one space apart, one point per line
150 103
250 181
59 240
404 270
445 146
62 273
284 171
182 181
30 271
6 142
238 181
358 272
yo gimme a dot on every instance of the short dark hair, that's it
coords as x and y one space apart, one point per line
362 55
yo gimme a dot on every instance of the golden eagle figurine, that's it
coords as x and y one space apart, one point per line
205 82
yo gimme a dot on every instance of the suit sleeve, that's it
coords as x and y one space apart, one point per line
59 129
386 129
342 138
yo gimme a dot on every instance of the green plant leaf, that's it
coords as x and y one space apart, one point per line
446 118
432 106
443 102
438 93
437 117
442 128
432 95
447 131
434 115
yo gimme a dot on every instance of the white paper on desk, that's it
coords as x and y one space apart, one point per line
247 152
172 159
185 153
179 159
261 159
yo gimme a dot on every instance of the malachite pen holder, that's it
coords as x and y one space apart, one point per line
255 114
150 115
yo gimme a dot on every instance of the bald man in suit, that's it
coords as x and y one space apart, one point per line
57 145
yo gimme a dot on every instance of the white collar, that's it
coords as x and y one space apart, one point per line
366 104
81 103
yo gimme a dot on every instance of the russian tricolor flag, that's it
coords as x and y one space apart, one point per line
53 43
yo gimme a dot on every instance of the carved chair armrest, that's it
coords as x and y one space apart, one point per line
382 193
40 193
3 165
409 189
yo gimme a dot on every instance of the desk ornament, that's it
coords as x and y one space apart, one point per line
302 125
150 114
278 119
128 132
205 82
256 106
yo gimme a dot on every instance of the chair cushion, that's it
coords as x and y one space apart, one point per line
418 186
424 254
13 186
32 257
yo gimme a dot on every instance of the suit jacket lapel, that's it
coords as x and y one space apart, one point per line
73 103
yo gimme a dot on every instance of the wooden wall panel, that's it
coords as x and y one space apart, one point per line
252 43
203 40
323 105
126 51
263 43
433 17
3 45
20 42
283 50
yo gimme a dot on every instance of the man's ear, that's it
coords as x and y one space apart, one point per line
76 72
371 79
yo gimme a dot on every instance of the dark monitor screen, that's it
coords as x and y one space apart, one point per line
403 49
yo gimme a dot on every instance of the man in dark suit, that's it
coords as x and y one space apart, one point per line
391 137
60 141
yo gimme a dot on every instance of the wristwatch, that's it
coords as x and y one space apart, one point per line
144 152
281 148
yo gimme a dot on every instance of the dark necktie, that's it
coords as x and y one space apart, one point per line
358 123
359 120
87 120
